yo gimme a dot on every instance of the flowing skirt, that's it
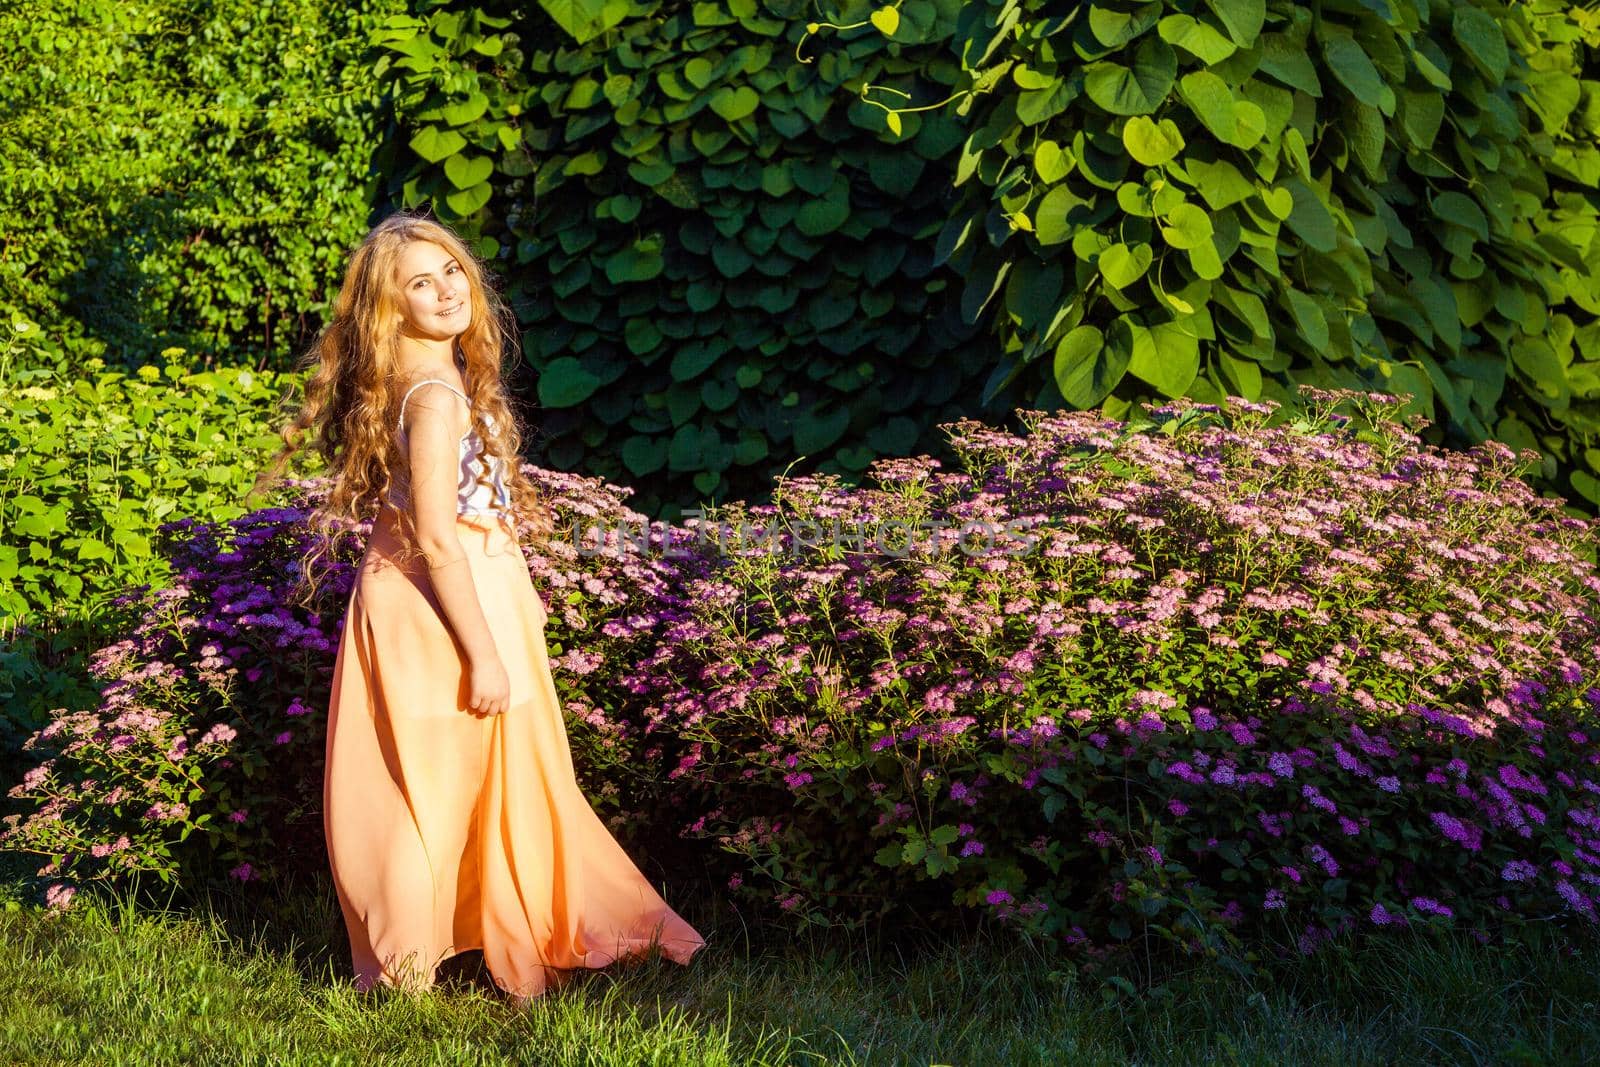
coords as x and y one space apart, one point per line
448 830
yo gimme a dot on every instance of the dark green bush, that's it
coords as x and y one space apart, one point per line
182 174
709 237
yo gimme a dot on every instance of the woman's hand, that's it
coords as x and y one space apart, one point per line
491 686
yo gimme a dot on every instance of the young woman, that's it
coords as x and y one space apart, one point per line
453 817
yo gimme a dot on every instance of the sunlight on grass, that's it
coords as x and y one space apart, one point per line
231 983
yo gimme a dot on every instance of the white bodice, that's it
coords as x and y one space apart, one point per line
471 497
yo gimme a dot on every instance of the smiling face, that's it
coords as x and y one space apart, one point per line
435 297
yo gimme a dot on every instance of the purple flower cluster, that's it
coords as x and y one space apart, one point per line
1236 664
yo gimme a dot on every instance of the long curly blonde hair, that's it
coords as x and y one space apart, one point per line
352 395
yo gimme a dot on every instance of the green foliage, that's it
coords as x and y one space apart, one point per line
179 174
1154 200
719 267
1231 196
92 460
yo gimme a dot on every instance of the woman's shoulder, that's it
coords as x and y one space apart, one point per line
433 392
447 376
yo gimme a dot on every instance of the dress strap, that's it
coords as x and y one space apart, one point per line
400 427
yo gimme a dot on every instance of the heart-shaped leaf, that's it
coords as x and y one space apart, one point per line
1050 162
735 104
1137 91
1165 356
1122 265
1151 143
565 383
1187 226
434 144
466 201
1242 18
467 110
887 20
1086 368
1209 97
465 171
699 70
1199 39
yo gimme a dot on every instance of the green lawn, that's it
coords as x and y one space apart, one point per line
119 984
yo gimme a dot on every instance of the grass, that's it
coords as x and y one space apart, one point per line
228 982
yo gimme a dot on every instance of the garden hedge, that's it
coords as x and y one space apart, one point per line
735 239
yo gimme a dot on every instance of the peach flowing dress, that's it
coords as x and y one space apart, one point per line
448 830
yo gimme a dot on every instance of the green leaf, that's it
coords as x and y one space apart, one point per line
1199 39
465 171
1165 356
1309 318
814 432
1249 308
1086 368
1122 266
1286 61
1042 105
1294 147
466 201
699 71
1421 114
638 262
1206 262
822 216
1139 91
1220 184
1051 163
1368 140
1481 37
1150 143
1209 97
1458 209
565 383
434 144
1250 123
1062 212
1279 201
1245 375
1353 68
1187 226
466 111
1542 368
1114 28
89 548
685 451
734 104
643 455
1241 18
1310 220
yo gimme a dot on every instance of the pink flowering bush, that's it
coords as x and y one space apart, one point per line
1304 675
1219 670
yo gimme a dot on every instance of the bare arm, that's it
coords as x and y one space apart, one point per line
436 419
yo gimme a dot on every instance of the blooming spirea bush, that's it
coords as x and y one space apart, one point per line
1309 674
1205 672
